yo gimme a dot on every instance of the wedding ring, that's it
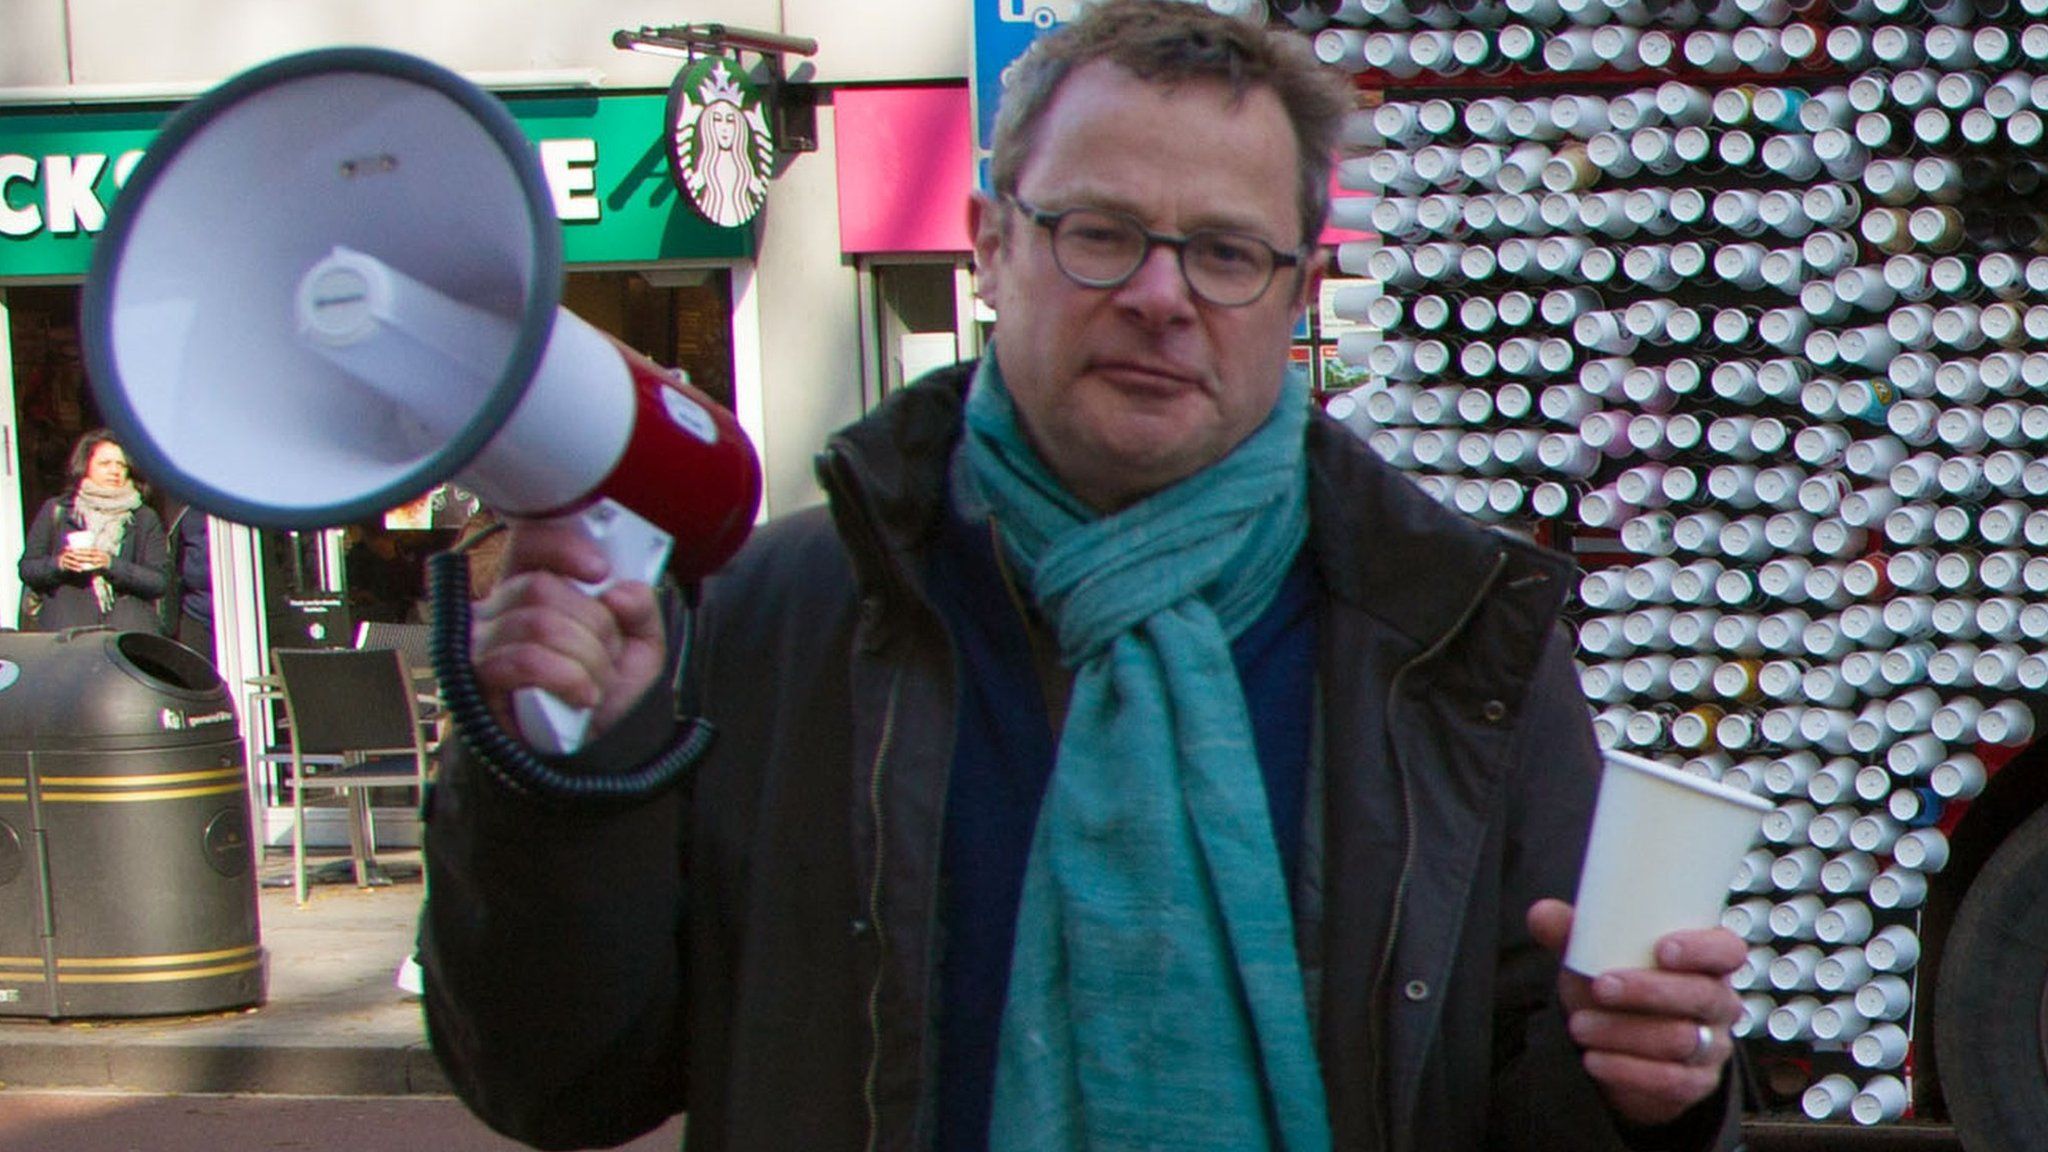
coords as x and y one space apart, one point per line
1702 1045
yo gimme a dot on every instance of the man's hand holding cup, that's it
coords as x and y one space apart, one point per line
1656 1040
1644 981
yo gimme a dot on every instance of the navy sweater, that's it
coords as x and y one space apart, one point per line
1002 759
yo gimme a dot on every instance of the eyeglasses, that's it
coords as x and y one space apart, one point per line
1098 248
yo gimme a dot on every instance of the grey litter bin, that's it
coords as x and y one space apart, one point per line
127 879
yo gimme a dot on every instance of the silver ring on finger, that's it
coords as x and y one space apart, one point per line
1702 1046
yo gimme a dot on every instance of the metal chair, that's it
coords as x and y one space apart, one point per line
354 725
410 639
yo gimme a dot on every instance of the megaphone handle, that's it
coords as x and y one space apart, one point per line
637 550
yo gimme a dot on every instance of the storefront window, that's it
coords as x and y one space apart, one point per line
52 401
915 320
677 317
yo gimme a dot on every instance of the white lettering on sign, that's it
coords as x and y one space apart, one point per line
571 170
66 195
14 221
69 201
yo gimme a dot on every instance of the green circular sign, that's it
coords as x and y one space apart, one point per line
720 148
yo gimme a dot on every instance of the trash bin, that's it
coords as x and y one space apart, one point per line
127 877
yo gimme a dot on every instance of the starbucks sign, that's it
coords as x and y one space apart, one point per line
721 150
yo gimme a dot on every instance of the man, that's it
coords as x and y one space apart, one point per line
1128 758
384 583
192 561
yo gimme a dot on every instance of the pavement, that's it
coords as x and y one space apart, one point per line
336 1025
335 1022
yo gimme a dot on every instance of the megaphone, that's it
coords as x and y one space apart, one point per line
334 282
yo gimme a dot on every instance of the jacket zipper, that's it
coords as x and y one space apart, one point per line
868 1088
837 475
1377 1028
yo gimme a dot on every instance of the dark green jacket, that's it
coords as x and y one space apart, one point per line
762 948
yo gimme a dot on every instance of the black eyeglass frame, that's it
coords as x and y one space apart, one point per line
1050 221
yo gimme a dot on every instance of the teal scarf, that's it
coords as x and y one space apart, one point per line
1155 1000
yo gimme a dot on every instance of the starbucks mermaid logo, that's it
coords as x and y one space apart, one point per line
720 146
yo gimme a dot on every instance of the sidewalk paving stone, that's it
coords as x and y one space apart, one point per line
335 1021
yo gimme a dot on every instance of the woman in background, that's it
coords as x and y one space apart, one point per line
96 555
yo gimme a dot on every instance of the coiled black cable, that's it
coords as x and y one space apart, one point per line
504 756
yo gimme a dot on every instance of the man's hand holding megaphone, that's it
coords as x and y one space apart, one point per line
538 629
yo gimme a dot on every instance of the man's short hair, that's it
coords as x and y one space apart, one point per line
1167 42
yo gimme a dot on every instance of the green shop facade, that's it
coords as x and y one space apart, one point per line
643 264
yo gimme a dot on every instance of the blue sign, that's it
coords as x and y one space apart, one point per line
1003 29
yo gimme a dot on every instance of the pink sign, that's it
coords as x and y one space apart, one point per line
905 167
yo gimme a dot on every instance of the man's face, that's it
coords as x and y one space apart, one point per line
1126 390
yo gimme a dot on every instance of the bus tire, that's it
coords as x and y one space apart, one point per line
1991 1008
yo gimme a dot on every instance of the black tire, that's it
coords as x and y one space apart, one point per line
1991 1009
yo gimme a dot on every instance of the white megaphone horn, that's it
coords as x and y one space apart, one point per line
334 282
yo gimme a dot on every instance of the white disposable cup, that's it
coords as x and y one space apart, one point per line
1883 1046
1883 1099
79 539
1828 1097
1663 848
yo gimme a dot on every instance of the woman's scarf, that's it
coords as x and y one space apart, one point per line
1155 999
105 512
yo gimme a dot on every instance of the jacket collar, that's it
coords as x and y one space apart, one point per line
896 458
1387 548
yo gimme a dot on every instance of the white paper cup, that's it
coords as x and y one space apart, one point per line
1883 1099
78 539
1883 1046
1663 848
1828 1097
